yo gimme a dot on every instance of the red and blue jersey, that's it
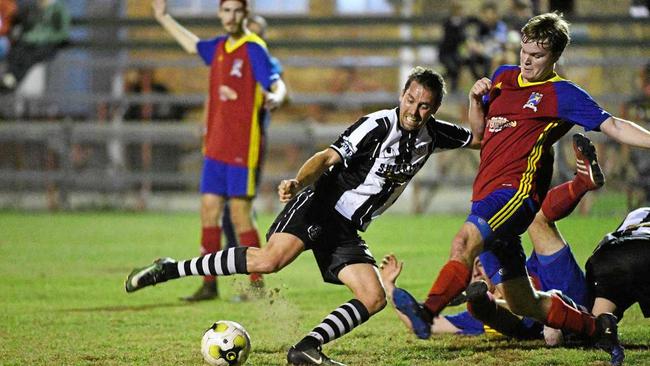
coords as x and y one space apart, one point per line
240 72
522 122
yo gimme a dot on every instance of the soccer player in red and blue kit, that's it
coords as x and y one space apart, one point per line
525 109
243 87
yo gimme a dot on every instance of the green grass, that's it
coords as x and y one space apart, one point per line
62 300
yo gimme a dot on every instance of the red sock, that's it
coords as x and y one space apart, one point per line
563 316
561 200
210 243
250 238
452 280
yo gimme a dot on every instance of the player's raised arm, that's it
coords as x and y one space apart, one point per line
476 114
626 132
183 36
310 171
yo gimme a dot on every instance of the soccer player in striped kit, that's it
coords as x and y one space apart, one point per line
243 87
336 193
524 109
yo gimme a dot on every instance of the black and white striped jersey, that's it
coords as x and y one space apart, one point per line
379 159
636 225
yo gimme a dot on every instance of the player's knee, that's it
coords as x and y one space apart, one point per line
523 308
241 220
374 301
263 261
462 251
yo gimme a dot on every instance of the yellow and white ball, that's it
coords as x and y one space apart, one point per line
226 343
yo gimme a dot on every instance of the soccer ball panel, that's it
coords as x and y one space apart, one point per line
226 343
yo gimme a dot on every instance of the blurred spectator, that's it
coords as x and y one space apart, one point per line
519 13
148 157
8 11
46 31
566 7
486 39
453 39
638 109
640 8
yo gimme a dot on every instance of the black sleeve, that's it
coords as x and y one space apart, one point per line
450 136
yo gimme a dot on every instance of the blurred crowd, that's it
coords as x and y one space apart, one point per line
31 31
474 41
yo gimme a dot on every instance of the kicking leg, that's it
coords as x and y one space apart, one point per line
369 298
281 250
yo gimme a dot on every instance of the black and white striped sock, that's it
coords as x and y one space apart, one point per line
222 263
340 321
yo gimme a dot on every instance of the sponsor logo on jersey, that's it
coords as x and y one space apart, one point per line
533 101
347 147
398 173
496 124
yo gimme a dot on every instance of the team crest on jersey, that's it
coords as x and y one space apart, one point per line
533 101
236 68
496 124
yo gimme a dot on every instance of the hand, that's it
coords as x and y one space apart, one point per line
390 269
288 189
159 8
272 101
481 87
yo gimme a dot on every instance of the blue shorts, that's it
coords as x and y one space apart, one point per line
466 323
560 271
501 218
228 180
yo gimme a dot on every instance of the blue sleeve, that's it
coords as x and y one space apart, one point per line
276 66
206 49
576 106
263 69
467 324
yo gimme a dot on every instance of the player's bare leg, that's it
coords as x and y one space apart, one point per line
211 209
451 281
241 209
369 298
552 310
603 305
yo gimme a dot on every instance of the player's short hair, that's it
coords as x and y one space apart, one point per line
550 30
429 79
245 2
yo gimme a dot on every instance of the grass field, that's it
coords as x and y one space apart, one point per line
62 300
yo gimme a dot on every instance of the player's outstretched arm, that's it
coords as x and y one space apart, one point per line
626 132
313 168
183 36
476 114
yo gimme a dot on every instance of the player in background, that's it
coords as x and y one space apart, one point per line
524 109
243 87
551 266
256 24
336 193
